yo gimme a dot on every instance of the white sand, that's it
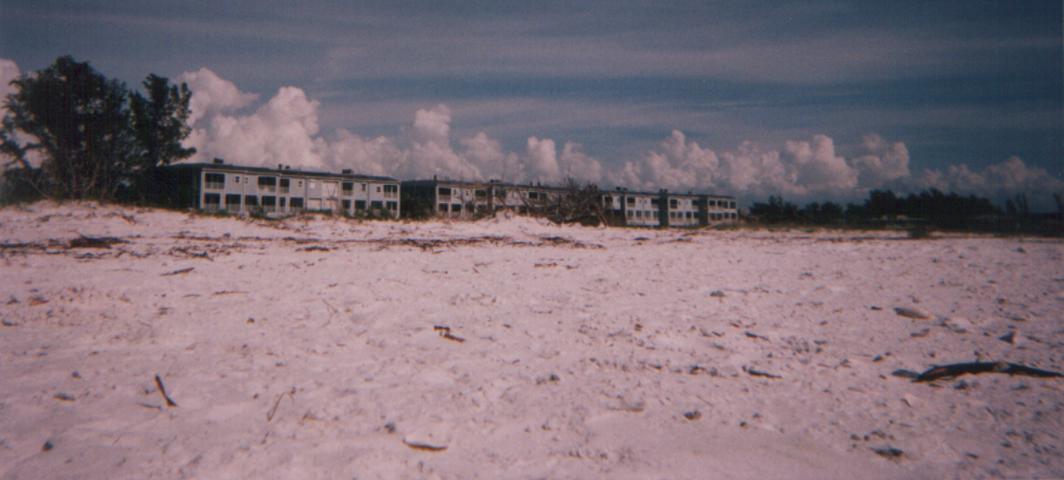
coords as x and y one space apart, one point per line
584 348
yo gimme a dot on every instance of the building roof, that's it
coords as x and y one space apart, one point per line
478 184
258 170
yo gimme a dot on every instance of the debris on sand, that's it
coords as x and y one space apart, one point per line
760 373
178 272
445 332
162 391
953 370
85 241
889 452
419 444
912 312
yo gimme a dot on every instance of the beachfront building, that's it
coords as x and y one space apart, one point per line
443 198
219 186
665 209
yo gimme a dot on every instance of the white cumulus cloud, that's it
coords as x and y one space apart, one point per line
8 71
213 94
285 130
1006 178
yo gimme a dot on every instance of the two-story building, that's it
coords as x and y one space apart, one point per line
466 200
664 209
218 186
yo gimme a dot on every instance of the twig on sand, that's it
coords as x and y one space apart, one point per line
331 308
445 332
759 373
424 444
277 403
953 370
178 271
162 390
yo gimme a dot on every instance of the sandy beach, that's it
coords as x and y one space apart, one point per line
324 347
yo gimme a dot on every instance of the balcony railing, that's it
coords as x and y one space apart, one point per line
214 185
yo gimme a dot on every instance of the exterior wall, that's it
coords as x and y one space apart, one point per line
662 209
721 210
641 209
468 200
234 190
683 211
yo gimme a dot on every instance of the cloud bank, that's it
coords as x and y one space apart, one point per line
285 130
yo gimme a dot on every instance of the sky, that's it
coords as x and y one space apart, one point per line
810 100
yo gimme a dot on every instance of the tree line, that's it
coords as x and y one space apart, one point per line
69 132
931 207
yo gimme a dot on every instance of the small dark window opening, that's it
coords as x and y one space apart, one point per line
297 202
215 180
251 200
360 204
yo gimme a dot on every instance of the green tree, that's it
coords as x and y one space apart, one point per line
76 120
160 122
775 211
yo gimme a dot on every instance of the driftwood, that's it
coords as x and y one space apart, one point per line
759 373
445 332
190 253
95 242
178 272
162 390
953 370
277 403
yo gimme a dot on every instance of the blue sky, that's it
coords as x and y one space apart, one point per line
963 86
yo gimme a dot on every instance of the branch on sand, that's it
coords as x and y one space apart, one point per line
956 369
